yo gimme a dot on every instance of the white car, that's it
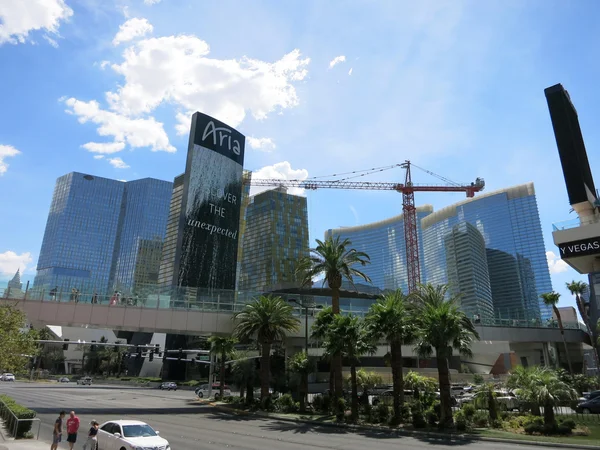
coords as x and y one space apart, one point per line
7 377
129 435
202 391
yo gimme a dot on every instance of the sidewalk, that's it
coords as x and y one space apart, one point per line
24 444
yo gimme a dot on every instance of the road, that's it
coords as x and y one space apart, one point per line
189 425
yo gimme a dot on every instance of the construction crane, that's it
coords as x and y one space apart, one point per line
407 189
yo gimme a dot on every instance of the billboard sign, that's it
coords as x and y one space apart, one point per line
583 247
210 212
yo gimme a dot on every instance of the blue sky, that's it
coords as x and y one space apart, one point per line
320 87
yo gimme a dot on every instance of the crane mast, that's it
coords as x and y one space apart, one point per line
409 210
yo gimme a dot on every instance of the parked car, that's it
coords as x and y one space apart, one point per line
85 381
168 386
591 395
202 391
7 377
64 380
129 434
591 406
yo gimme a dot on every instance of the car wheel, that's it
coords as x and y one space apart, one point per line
200 394
217 396
586 411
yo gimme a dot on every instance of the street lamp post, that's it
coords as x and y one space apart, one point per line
305 307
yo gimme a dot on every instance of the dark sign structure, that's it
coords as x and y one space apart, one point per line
583 247
569 140
210 210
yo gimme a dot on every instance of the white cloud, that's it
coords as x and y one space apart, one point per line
6 151
10 262
337 60
104 64
98 156
118 163
132 29
104 147
555 264
350 71
279 171
140 132
19 17
51 41
177 70
264 144
151 2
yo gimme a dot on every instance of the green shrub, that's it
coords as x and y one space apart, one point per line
460 420
432 416
405 415
563 430
382 413
418 419
285 404
481 419
317 403
20 412
340 409
532 428
469 410
496 423
568 423
266 403
367 412
536 420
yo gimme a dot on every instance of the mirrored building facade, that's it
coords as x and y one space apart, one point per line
384 243
491 247
97 229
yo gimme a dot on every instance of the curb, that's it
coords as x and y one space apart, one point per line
410 433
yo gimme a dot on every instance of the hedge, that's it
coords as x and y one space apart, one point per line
18 410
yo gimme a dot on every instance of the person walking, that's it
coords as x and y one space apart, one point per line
57 432
92 440
72 429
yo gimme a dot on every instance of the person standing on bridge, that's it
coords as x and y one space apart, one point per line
72 429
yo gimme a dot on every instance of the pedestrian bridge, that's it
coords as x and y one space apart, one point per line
213 314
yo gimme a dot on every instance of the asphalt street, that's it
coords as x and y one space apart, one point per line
189 425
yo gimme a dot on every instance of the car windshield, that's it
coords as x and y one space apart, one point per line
8 375
132 431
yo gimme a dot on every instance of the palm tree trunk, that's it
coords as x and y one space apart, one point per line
222 377
354 406
249 392
265 370
242 391
331 378
586 321
336 359
397 377
303 391
549 418
446 419
562 332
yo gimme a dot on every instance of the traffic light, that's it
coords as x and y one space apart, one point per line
180 355
66 345
150 356
156 349
93 347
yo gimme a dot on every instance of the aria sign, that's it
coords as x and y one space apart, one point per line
584 247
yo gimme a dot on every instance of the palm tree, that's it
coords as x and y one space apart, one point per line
268 319
390 319
486 395
441 327
302 365
522 381
320 327
222 346
366 380
419 383
578 288
551 299
243 371
348 337
334 259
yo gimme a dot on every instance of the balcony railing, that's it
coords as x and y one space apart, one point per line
229 301
574 223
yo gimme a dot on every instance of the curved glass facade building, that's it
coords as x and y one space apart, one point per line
490 250
384 243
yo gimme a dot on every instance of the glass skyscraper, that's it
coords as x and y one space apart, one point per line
490 250
275 238
384 243
96 231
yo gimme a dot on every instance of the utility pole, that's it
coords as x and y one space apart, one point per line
306 307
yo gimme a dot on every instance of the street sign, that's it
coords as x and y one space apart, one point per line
203 357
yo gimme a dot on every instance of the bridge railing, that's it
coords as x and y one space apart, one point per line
230 301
